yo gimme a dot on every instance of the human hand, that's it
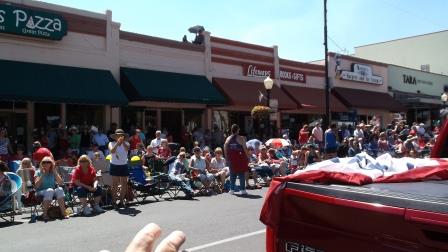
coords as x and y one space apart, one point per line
147 236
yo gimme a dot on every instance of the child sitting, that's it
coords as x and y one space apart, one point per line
294 161
164 151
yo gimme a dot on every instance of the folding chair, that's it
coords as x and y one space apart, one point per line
7 205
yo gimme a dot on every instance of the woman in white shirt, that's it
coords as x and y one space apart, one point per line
219 167
119 165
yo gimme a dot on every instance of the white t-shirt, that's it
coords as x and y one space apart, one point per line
218 164
91 155
317 133
155 144
100 139
120 157
358 133
199 163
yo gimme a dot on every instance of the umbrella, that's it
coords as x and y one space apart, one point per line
196 29
255 143
277 143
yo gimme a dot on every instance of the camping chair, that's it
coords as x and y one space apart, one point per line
102 168
143 187
66 174
7 205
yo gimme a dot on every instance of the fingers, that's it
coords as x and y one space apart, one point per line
171 243
145 238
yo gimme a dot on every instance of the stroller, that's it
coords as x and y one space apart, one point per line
7 205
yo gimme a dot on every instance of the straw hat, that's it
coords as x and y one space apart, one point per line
118 133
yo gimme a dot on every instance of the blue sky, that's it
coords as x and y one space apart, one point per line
296 26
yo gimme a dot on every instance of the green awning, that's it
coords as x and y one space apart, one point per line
22 81
149 85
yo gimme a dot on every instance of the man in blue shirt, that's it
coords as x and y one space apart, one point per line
331 143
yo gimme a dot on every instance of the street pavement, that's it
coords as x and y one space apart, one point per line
216 223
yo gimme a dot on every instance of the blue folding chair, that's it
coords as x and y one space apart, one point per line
7 205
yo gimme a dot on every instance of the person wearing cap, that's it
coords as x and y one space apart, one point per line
119 165
39 153
177 175
238 157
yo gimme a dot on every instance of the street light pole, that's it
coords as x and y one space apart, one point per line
268 104
327 79
268 84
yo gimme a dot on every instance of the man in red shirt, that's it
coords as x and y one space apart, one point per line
304 135
39 153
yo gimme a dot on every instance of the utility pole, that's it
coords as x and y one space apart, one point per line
327 79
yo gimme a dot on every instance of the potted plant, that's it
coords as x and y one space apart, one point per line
260 112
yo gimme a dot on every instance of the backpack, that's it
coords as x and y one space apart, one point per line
30 199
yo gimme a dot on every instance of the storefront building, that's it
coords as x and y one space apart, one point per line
166 84
58 67
419 91
362 86
298 97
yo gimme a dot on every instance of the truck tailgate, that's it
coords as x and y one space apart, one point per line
374 217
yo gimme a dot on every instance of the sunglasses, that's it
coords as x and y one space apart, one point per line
83 161
46 162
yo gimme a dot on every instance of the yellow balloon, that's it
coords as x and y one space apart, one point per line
135 159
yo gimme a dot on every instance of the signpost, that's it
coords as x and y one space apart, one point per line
32 23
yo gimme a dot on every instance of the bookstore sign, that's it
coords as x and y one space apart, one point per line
31 23
253 70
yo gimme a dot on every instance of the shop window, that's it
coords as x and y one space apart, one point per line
221 119
12 105
192 119
47 114
85 115
131 117
172 125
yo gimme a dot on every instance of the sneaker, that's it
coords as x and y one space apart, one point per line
98 209
87 211
231 192
243 192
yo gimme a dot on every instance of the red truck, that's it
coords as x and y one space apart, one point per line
383 217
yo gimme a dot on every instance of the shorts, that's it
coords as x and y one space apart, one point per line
50 193
119 170
83 192
224 170
206 177
331 150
